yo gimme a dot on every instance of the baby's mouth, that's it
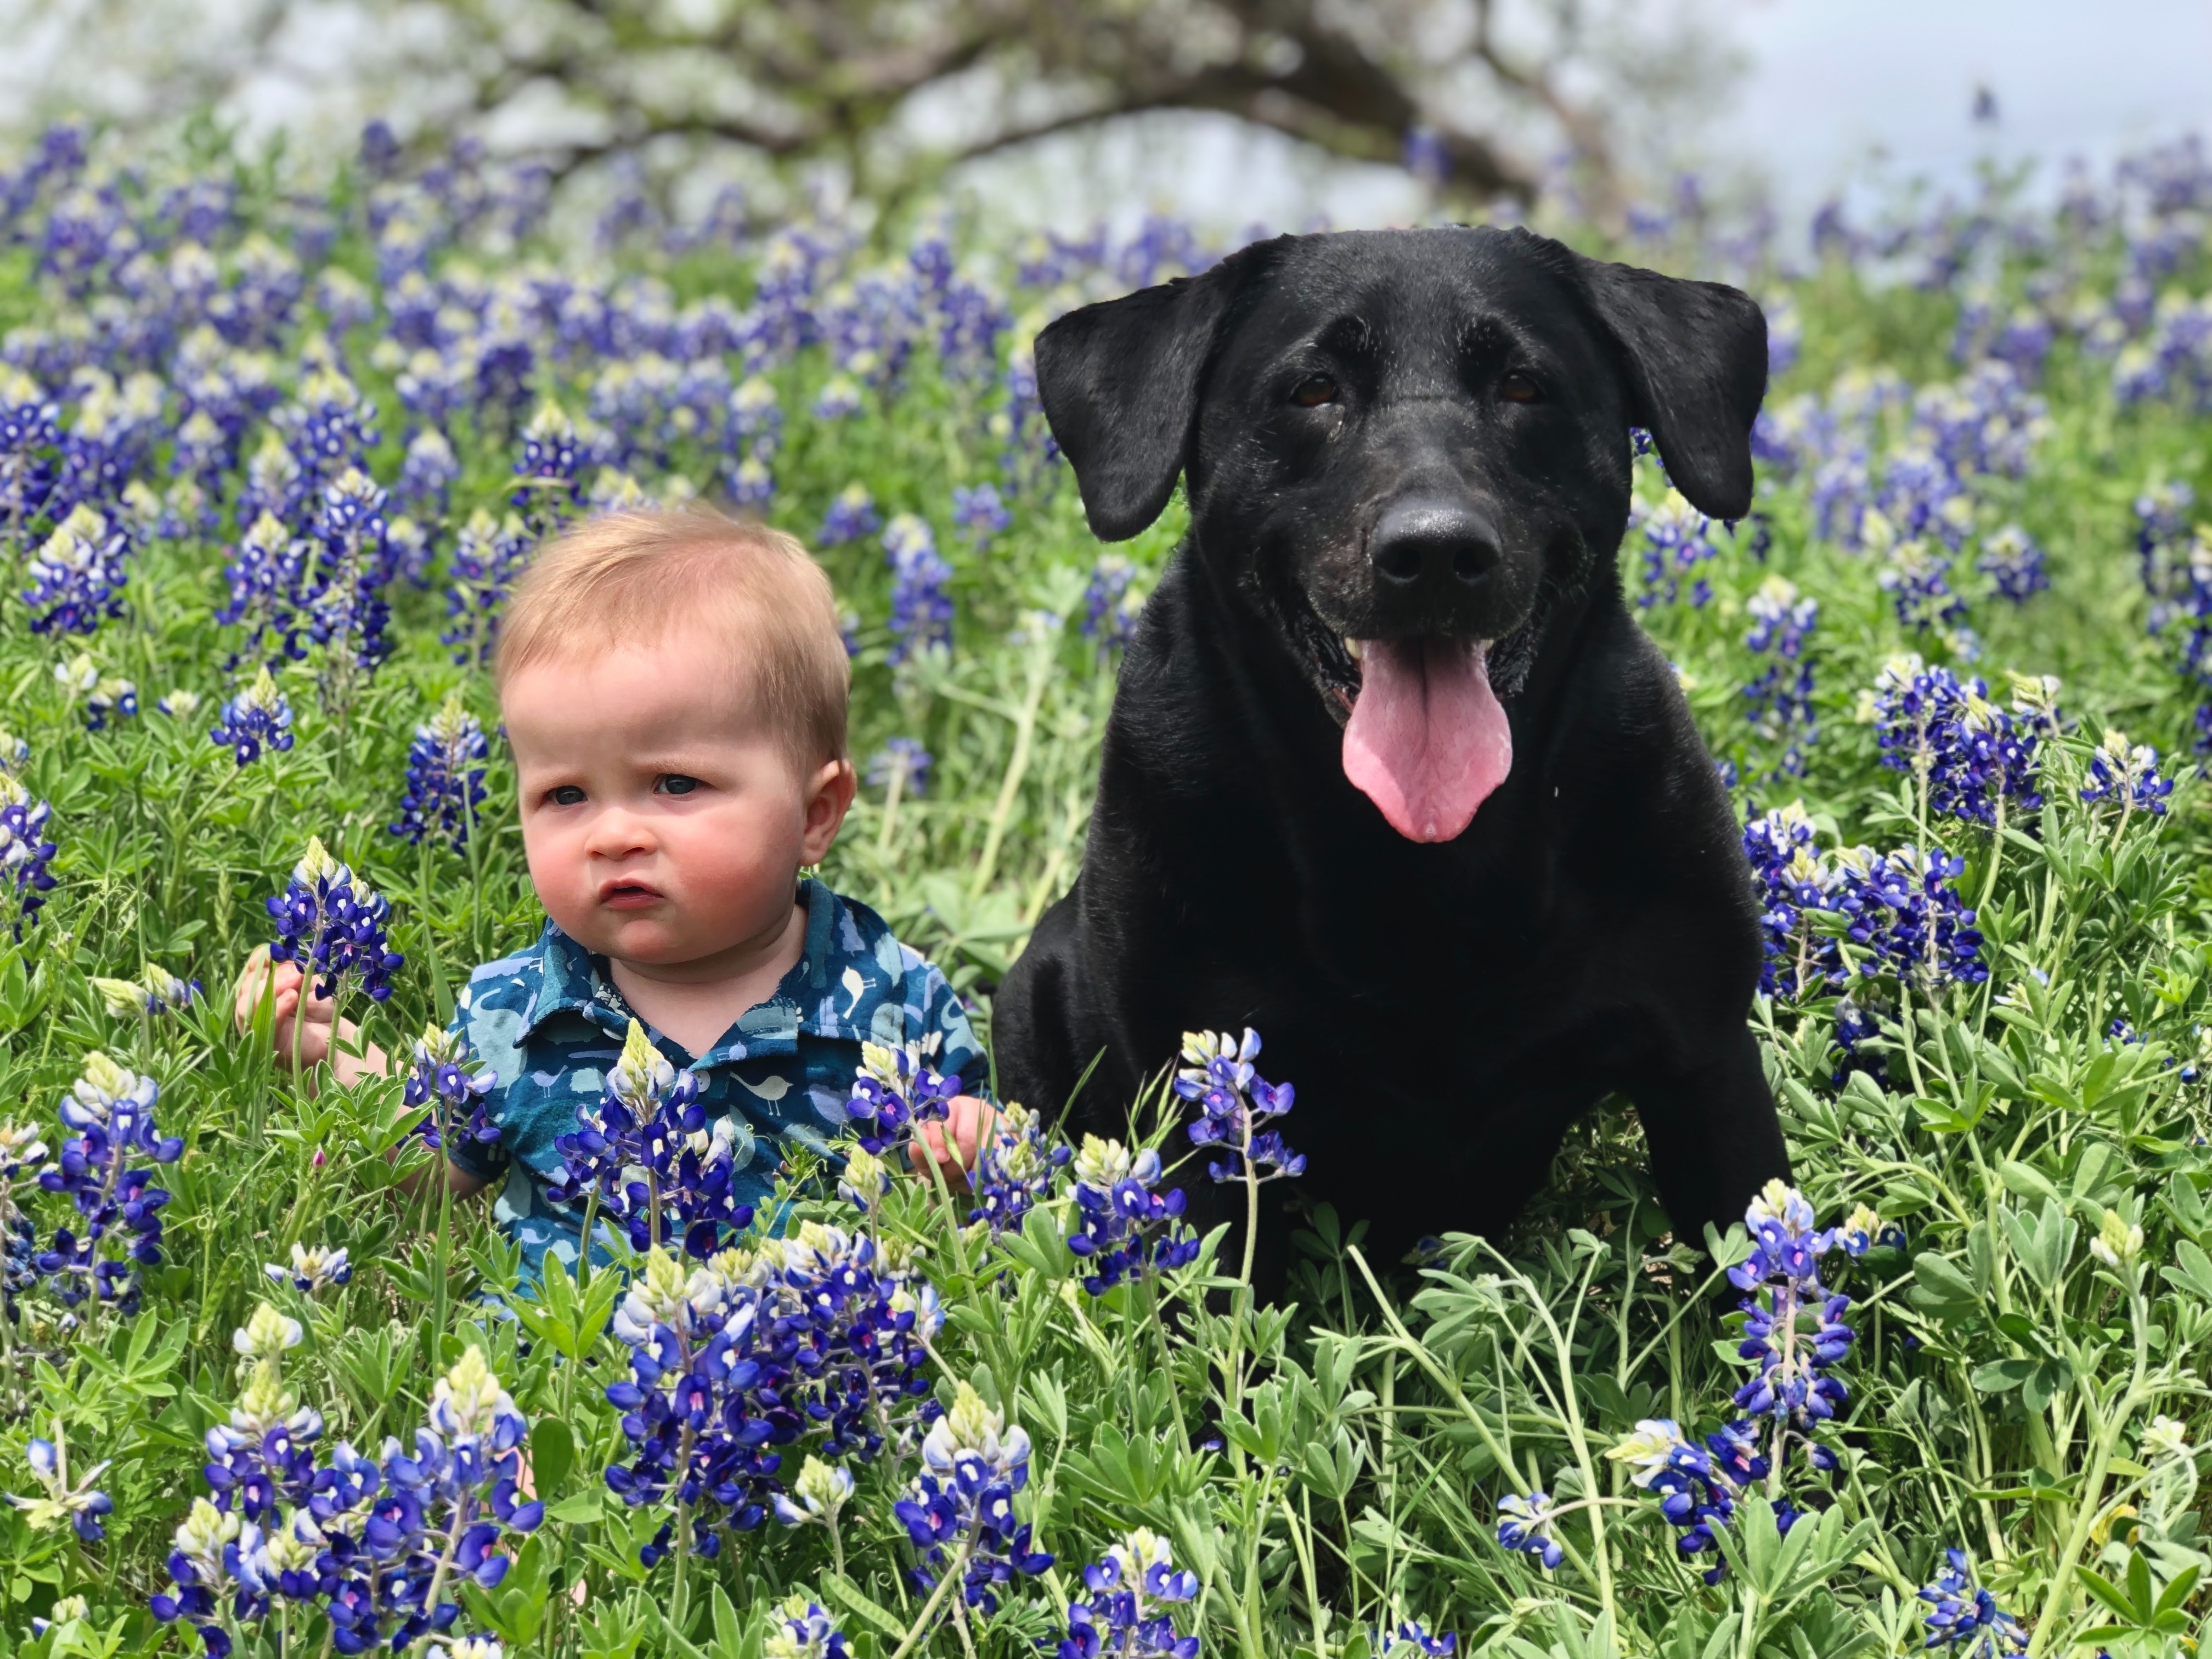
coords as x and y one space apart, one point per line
628 895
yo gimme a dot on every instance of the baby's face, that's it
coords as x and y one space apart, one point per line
663 822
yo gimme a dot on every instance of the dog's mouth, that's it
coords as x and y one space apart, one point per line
1424 736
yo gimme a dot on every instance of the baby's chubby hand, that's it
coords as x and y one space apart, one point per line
259 977
967 1121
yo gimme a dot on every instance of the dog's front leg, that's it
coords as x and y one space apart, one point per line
1713 1137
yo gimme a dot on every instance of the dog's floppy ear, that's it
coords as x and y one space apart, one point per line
1119 382
1694 358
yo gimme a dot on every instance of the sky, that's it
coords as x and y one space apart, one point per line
1834 92
1834 83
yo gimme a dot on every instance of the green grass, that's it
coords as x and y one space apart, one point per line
2002 1383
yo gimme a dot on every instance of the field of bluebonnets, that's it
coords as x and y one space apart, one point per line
272 446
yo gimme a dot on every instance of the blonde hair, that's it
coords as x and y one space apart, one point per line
625 577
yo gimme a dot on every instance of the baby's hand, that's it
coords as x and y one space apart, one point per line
314 1028
967 1122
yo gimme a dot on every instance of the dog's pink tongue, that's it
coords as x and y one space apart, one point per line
1427 740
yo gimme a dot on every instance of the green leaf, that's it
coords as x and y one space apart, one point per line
2001 1376
586 1509
856 1601
552 1454
1940 1287
2107 1592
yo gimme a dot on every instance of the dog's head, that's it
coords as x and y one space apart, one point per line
1410 445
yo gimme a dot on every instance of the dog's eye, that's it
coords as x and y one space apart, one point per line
1518 388
1314 391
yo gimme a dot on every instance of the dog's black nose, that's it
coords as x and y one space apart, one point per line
1432 544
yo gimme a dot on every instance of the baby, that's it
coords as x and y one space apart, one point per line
674 687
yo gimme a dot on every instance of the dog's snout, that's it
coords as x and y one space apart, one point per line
1433 545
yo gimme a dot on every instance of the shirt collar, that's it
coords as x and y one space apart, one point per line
569 981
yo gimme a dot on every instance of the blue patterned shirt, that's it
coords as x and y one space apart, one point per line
549 1023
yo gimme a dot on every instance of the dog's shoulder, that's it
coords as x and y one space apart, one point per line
1633 746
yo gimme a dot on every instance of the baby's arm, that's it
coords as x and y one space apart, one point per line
967 1122
302 1041
313 1045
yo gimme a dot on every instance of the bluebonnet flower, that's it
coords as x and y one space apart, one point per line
752 484
329 426
547 488
1410 1638
2163 539
863 1319
1677 539
263 1456
1968 758
839 396
2011 559
1014 1169
1857 1023
1110 608
921 610
265 574
816 1496
852 515
1697 1484
488 554
109 1114
1234 1101
275 482
375 1547
1917 579
1793 1326
1905 910
661 1169
159 992
755 422
445 776
77 573
30 453
312 1270
445 1075
978 514
2127 773
333 926
1031 453
427 474
1133 1587
1863 1229
1796 883
25 852
1921 498
691 1410
1126 1228
104 694
800 1630
1780 698
895 1088
1965 1617
902 765
345 608
1524 1524
22 1151
969 320
256 716
76 1500
959 1513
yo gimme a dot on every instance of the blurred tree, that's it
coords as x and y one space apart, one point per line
1481 97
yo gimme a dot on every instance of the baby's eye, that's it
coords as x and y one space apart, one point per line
567 794
675 783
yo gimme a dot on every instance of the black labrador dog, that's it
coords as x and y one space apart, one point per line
1391 775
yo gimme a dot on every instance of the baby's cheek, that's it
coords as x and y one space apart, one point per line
736 863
